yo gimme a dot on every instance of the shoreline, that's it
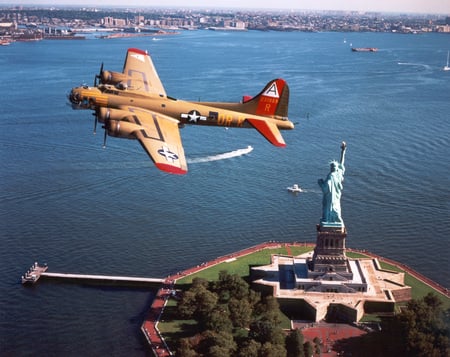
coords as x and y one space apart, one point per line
149 326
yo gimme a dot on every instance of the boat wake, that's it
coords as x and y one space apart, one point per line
425 66
223 156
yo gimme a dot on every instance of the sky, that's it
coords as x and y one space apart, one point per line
409 6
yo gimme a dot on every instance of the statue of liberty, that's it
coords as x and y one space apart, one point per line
332 191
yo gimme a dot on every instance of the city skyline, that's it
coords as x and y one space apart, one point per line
403 6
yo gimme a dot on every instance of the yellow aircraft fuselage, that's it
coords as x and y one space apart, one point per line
200 113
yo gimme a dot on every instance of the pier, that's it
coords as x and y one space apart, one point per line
37 272
33 274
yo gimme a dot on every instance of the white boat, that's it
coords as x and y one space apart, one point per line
447 67
294 188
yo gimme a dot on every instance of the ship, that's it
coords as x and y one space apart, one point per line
364 49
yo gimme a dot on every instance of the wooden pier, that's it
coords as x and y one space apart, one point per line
37 271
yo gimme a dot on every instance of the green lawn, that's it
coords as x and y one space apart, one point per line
355 255
241 266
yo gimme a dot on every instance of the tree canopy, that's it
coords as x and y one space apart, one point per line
233 320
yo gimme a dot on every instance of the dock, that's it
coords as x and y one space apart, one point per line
40 271
33 274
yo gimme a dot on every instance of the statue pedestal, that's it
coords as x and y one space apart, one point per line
329 254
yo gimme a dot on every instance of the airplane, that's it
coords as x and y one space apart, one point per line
133 104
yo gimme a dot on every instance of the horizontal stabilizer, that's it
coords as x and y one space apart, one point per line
269 131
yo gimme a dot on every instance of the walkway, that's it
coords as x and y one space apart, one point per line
129 279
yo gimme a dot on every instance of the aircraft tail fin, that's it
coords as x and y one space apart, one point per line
272 101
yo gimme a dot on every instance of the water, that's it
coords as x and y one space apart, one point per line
66 201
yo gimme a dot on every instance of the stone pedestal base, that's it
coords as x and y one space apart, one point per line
329 254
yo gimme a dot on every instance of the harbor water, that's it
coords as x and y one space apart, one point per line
66 201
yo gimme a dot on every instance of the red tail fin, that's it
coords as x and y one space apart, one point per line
273 99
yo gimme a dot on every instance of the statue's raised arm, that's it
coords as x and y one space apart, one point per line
343 150
332 191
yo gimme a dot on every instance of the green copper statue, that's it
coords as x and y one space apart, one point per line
332 190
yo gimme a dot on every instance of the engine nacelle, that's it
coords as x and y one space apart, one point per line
110 77
118 123
105 114
121 129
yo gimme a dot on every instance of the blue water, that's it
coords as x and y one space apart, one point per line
67 201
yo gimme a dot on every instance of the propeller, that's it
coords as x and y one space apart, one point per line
98 76
106 127
104 138
95 114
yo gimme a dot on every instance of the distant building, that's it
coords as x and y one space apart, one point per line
7 27
444 28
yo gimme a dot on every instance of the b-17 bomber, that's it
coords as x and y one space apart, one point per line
133 104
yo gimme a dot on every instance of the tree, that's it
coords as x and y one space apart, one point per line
424 328
264 330
206 301
249 348
318 345
198 283
240 312
261 330
217 344
219 320
308 348
272 350
254 297
230 286
269 309
186 306
185 349
197 302
294 344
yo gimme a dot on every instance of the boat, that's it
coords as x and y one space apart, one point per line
294 188
447 67
364 49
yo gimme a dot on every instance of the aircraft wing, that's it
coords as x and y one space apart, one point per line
141 72
160 137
